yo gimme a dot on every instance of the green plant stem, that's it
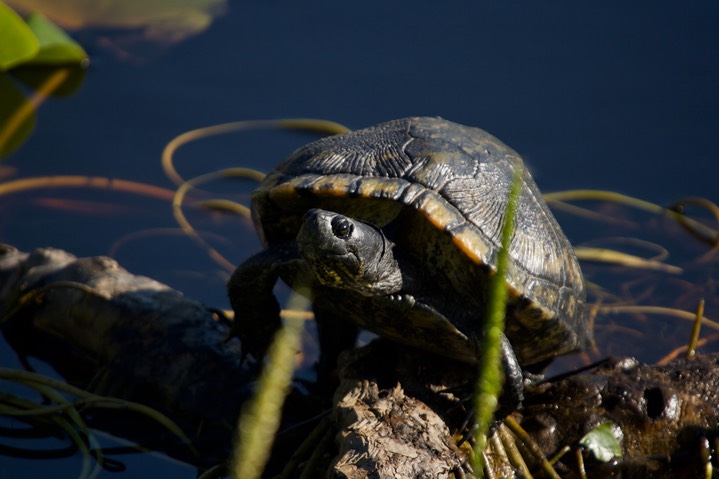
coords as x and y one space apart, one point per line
490 377
260 419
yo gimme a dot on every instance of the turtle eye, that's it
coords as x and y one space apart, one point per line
342 227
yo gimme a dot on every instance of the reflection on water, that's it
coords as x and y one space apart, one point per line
130 27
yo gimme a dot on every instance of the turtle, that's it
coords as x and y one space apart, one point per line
395 228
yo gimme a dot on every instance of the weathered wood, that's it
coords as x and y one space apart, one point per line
386 434
391 411
664 413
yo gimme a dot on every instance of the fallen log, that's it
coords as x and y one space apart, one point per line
117 334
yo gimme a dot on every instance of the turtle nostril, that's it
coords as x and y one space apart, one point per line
342 227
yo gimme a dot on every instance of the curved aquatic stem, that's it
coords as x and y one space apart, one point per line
692 346
322 126
45 384
16 120
661 310
560 198
605 255
514 456
179 198
76 181
532 446
711 239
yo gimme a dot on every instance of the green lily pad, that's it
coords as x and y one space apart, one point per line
56 47
603 442
19 43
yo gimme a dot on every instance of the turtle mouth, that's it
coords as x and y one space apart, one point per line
325 249
341 256
346 261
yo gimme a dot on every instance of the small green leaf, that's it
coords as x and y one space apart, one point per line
603 442
56 47
17 40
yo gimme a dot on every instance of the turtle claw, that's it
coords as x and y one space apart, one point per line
402 299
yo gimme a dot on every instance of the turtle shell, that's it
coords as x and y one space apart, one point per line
441 189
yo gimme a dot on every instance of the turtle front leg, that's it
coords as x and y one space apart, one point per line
250 289
513 391
336 331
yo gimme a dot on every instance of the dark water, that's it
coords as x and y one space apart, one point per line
611 95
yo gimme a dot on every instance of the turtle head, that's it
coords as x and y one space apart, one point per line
349 254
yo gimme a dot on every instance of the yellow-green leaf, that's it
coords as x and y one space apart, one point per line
17 41
56 47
